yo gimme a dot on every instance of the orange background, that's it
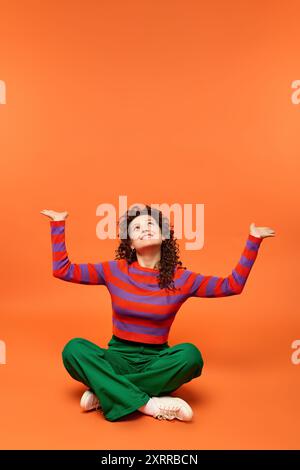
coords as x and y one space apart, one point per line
162 101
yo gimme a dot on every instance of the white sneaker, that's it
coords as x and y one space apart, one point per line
172 407
89 401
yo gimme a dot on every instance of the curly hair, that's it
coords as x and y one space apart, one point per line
169 259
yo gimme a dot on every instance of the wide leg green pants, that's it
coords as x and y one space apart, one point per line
127 374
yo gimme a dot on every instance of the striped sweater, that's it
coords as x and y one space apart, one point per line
141 311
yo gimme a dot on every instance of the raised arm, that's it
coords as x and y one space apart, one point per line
214 286
82 273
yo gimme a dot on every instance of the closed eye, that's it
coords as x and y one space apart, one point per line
137 226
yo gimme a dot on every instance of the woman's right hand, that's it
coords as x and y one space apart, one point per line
55 215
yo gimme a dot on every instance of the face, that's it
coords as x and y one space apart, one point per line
144 231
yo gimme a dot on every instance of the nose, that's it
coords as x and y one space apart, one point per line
145 232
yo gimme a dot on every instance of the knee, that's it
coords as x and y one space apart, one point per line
192 357
72 348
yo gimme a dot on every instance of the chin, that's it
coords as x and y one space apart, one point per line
149 243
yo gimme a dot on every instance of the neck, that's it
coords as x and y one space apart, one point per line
149 258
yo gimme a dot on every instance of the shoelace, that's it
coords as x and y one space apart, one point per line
167 413
98 406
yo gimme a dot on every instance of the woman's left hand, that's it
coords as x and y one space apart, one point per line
261 232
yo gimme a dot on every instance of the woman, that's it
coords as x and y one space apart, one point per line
148 285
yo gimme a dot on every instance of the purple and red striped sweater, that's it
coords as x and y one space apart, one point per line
141 311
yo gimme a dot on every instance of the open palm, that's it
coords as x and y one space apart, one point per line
55 215
261 232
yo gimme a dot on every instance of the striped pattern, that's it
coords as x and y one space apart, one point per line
141 311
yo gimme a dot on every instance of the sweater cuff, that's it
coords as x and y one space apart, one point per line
254 239
55 223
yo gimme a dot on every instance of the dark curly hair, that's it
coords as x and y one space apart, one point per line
169 248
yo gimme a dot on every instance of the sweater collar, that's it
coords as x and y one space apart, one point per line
136 265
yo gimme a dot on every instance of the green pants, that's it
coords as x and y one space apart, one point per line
127 374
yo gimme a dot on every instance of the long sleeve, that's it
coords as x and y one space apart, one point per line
89 273
214 286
